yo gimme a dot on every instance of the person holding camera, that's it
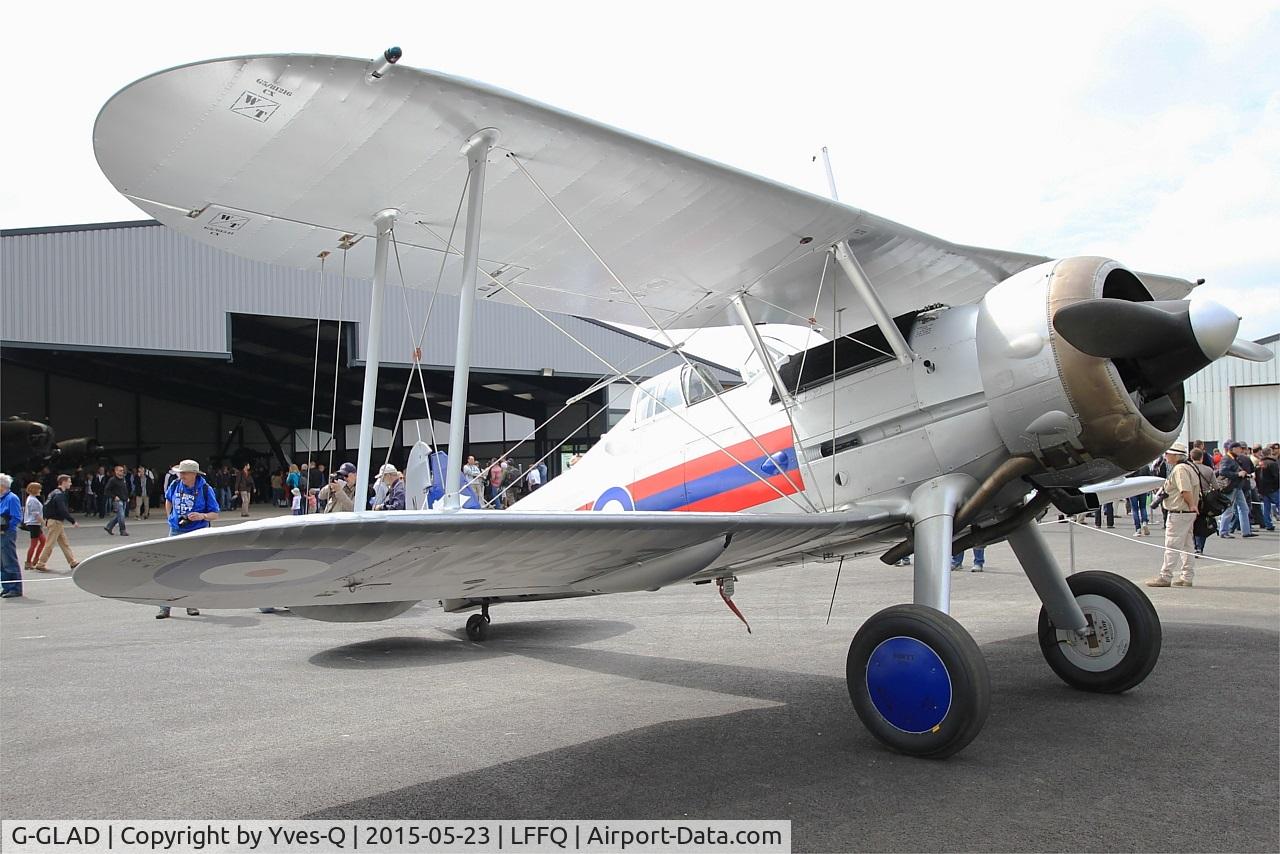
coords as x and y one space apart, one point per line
339 495
190 505
1181 491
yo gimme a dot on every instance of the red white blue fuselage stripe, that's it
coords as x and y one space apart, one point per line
716 482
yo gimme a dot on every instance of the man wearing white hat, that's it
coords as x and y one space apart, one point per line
190 504
1182 498
390 480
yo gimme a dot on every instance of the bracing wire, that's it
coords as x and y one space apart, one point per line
510 289
670 342
315 363
416 367
337 354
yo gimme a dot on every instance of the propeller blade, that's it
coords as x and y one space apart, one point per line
1244 349
1120 329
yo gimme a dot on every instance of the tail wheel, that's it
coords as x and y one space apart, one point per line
478 627
918 681
1124 642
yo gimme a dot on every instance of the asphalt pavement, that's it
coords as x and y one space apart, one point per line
652 705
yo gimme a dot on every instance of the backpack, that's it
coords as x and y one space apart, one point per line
48 504
1215 496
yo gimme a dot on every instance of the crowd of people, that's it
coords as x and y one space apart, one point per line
192 499
502 482
1206 493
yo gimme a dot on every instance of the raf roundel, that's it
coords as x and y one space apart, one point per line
246 568
613 500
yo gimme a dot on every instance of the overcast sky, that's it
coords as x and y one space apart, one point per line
1149 133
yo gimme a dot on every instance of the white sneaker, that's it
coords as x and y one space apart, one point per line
1139 533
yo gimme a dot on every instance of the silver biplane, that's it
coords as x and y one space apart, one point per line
955 393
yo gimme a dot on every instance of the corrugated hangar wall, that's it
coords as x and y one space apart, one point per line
153 289
1235 399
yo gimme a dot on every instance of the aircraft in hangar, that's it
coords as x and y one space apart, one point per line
956 393
26 445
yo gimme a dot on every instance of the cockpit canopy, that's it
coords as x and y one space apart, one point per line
674 389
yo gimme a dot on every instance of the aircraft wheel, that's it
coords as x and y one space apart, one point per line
1126 641
477 627
918 681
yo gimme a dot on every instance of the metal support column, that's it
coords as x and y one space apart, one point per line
933 513
831 179
744 318
476 150
1050 584
383 222
849 263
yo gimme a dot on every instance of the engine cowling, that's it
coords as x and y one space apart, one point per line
1088 416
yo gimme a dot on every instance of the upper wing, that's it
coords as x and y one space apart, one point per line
363 559
277 157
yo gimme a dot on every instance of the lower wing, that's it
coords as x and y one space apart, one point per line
385 562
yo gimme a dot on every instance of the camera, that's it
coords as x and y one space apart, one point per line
184 519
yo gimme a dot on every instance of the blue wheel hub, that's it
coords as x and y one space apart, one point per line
908 684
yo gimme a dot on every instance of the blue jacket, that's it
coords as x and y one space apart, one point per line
11 508
395 497
194 499
1230 468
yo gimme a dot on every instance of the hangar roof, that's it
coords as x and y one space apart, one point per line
136 287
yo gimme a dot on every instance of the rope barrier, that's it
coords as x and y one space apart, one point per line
1162 548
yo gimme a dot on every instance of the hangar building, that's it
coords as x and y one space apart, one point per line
1235 399
162 348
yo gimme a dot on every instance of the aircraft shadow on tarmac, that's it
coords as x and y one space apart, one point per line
1184 762
506 638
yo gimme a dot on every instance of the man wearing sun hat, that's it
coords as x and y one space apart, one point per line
190 504
392 488
1181 498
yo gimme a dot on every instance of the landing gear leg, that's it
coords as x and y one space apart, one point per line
1098 631
478 624
917 679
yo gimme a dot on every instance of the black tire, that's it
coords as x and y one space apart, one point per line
477 627
903 682
1134 645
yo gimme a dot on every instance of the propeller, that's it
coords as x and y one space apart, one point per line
1168 339
1249 350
